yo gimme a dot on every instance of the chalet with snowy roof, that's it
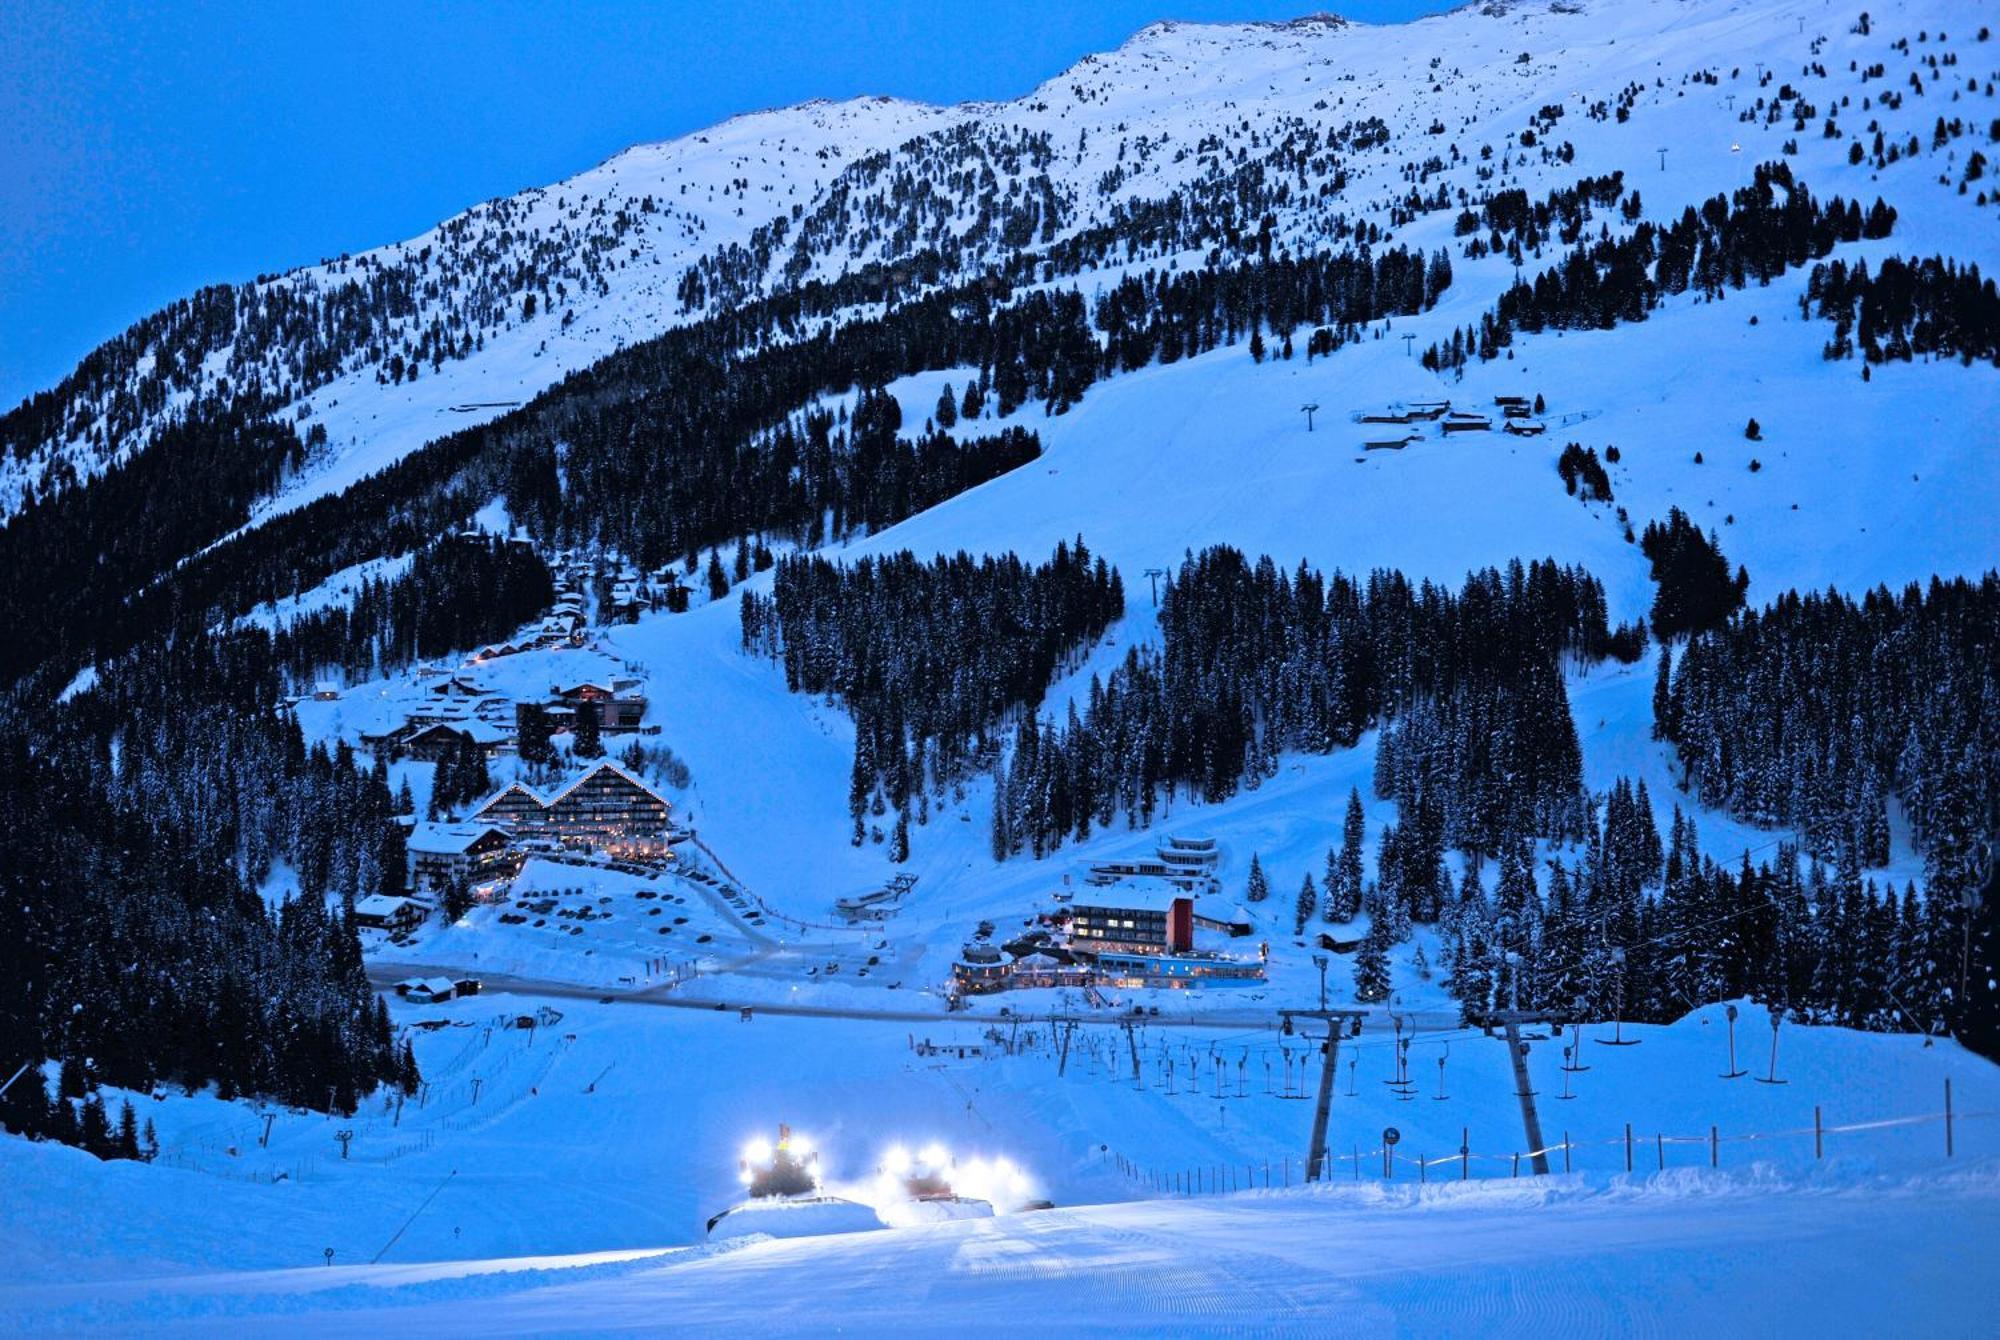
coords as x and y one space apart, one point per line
434 742
518 809
458 686
621 703
381 911
606 809
479 854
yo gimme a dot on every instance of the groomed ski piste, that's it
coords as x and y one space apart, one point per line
569 1194
557 1178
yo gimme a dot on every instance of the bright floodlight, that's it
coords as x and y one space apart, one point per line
934 1155
800 1146
896 1161
757 1151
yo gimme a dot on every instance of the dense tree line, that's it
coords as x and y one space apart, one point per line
929 657
463 591
1625 930
1254 661
133 949
195 735
1750 236
1516 227
1907 309
70 567
1819 710
1162 316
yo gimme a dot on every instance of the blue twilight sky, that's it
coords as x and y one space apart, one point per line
148 149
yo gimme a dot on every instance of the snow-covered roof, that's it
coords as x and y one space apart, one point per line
1137 895
381 905
436 839
603 765
479 732
522 787
1222 911
464 684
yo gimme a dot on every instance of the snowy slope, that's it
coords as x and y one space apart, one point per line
1681 1256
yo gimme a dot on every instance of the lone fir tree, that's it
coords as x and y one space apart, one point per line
1260 887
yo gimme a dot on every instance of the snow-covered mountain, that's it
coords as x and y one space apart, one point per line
747 344
1188 141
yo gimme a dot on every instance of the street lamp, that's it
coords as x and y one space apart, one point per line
1319 961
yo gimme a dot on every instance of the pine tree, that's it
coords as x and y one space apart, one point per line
1663 701
456 900
94 1128
899 839
533 733
587 740
1308 900
127 1143
1371 969
1002 840
947 408
393 858
1344 892
1472 978
1259 888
